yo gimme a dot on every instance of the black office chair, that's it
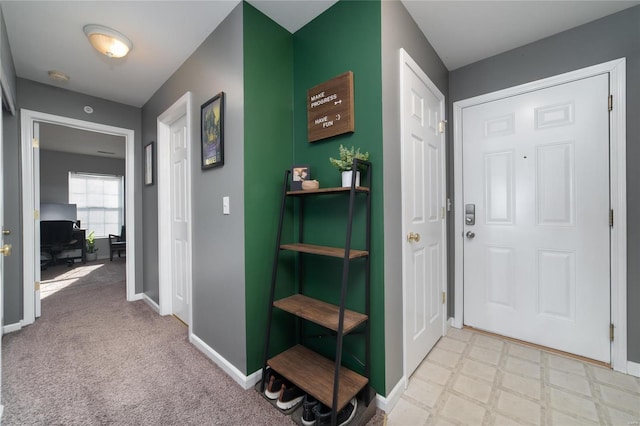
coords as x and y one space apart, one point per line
56 236
118 243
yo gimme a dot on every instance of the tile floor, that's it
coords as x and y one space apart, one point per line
473 379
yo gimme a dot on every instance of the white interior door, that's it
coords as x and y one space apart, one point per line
423 202
180 219
537 259
2 245
37 307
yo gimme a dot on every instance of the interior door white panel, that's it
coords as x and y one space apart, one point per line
423 201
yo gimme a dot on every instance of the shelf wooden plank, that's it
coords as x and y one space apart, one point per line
319 312
313 374
326 191
323 250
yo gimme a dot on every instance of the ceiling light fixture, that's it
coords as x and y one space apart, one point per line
107 41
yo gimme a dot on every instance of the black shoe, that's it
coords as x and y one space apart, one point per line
323 413
290 396
274 383
308 416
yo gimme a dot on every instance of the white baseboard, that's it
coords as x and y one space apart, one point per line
137 296
633 368
150 302
10 328
246 382
387 403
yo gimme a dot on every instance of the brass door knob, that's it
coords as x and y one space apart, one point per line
413 237
6 232
6 250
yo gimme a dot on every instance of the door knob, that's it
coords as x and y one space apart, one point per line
470 235
6 250
413 237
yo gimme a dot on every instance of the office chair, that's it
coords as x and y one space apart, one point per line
56 236
117 243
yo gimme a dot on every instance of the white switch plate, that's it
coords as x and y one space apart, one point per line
225 205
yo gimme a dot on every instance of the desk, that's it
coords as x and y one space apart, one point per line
80 236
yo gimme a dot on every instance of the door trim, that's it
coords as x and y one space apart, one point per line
618 191
405 59
30 246
182 106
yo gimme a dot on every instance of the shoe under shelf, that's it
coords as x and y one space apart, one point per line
319 312
323 250
314 373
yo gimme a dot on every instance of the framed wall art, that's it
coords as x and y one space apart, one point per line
212 132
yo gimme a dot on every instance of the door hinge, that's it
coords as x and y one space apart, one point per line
610 102
36 214
444 297
35 143
611 218
36 285
442 125
442 214
611 328
449 204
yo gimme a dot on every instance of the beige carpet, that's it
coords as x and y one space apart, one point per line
95 359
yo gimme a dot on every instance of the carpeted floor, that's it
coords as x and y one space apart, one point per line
95 359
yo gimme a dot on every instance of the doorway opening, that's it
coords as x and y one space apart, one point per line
30 121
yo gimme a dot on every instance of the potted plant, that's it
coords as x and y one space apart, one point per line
345 163
91 247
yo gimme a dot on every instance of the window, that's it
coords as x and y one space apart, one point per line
100 202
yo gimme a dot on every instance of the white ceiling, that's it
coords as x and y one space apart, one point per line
47 35
68 139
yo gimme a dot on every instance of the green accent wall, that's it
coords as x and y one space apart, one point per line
268 151
347 37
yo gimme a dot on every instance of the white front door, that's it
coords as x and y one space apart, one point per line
423 203
179 219
536 178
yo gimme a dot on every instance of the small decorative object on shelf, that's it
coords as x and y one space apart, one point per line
345 163
310 184
299 173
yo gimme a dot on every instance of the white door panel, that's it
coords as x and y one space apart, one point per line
423 201
179 219
536 167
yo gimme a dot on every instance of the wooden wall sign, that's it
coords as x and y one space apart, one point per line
330 108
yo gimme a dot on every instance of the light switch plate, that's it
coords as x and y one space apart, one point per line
225 205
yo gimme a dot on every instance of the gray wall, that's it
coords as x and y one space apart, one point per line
218 240
600 41
54 179
53 100
7 67
398 31
55 167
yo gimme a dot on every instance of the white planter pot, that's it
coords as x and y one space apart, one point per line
91 257
346 178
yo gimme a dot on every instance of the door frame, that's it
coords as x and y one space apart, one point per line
181 107
31 177
405 59
618 191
